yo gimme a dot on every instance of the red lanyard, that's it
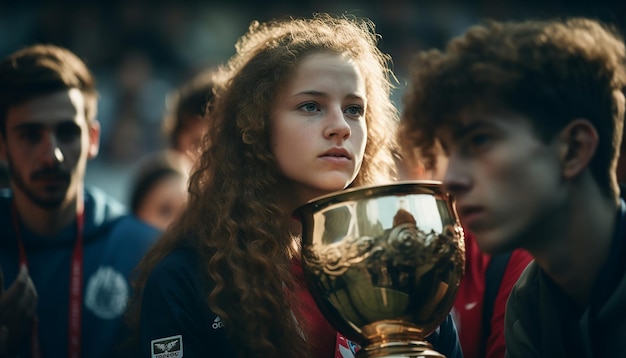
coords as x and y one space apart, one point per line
76 288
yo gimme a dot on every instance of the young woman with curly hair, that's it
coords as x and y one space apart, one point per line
301 110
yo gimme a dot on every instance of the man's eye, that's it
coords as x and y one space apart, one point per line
31 135
478 143
68 133
479 140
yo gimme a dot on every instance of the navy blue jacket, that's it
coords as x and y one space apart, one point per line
175 315
113 245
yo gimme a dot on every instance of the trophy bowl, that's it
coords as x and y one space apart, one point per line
384 263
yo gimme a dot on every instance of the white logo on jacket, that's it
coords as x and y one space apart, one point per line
168 347
106 293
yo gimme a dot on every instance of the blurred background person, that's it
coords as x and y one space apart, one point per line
67 248
187 110
159 187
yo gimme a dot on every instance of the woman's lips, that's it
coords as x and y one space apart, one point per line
337 153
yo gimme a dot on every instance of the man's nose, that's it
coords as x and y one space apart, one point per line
456 178
52 154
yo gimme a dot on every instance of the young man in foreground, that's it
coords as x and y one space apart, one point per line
530 116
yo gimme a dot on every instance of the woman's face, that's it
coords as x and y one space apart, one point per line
164 201
319 130
190 137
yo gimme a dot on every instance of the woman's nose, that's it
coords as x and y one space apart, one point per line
337 125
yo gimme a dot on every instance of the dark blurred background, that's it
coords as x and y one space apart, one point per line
139 50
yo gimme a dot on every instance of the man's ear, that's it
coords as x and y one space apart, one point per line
580 141
94 139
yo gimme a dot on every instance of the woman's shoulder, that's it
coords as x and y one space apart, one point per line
175 309
185 257
181 269
179 259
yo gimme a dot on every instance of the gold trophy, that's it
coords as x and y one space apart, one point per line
384 264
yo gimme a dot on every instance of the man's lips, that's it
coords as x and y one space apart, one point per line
469 214
51 177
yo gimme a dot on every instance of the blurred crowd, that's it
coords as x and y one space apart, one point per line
141 50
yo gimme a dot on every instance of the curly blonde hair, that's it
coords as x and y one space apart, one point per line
235 218
552 71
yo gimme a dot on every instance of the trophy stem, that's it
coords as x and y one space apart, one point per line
406 349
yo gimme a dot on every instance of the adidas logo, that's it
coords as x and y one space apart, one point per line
217 323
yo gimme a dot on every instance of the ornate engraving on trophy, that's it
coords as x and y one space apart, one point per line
384 264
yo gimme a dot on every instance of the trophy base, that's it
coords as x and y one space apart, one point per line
413 349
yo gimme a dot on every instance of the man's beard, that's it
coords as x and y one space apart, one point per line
51 202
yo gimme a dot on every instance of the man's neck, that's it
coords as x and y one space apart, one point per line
574 260
46 221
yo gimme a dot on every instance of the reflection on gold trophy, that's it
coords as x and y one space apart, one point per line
384 264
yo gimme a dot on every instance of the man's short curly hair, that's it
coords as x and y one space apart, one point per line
552 71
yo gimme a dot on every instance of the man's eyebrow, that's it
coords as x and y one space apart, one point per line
28 126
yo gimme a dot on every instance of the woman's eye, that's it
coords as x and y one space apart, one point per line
354 111
309 107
